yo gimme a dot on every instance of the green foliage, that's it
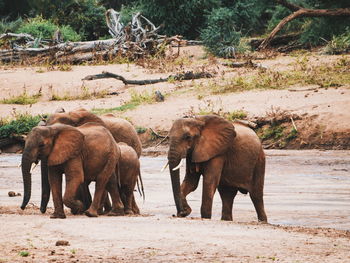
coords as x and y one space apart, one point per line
338 44
178 16
141 130
317 31
84 95
142 97
125 107
273 132
220 36
21 125
292 135
278 14
23 253
237 115
39 27
22 99
10 26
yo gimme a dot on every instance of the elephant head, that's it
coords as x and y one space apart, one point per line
55 144
199 140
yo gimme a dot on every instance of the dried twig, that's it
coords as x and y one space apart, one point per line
182 76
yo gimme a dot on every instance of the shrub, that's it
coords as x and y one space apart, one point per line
338 44
220 36
10 26
177 16
21 125
39 27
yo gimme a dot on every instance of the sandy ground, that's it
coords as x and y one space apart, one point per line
306 197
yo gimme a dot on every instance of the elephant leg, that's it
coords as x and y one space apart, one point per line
189 184
211 178
117 204
129 194
227 195
258 202
135 208
105 205
55 180
74 181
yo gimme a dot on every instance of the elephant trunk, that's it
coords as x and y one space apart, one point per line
174 161
27 162
45 186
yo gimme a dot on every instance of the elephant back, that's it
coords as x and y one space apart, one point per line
123 131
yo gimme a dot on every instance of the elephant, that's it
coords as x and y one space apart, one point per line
121 130
86 153
129 170
129 173
228 155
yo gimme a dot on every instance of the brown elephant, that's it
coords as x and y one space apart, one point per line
121 130
129 170
229 156
86 153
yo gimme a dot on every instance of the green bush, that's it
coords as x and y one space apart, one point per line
10 26
177 16
39 27
21 125
220 36
338 44
86 17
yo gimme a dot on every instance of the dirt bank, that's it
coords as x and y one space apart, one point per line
323 112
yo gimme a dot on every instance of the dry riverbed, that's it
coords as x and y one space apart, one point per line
307 199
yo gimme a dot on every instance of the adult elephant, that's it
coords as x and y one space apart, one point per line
86 153
229 156
121 130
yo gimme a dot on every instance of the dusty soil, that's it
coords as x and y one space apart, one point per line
306 199
324 113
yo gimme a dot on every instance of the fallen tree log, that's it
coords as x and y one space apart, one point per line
181 76
138 39
247 63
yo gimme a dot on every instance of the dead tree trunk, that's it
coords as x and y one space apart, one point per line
298 12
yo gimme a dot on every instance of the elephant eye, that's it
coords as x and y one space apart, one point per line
187 137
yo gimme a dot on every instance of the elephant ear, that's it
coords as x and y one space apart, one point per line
67 144
216 137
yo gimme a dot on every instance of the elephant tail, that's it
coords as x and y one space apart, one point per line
139 182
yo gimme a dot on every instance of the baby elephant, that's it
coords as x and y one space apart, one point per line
129 169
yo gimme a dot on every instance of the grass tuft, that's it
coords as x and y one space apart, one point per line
23 99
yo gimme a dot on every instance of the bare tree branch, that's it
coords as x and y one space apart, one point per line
301 12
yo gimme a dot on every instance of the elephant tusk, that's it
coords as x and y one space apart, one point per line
33 167
19 165
164 167
178 167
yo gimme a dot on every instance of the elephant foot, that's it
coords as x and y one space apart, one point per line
264 221
226 218
58 215
91 213
185 212
76 211
129 212
116 212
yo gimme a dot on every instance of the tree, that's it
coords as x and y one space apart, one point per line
298 12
